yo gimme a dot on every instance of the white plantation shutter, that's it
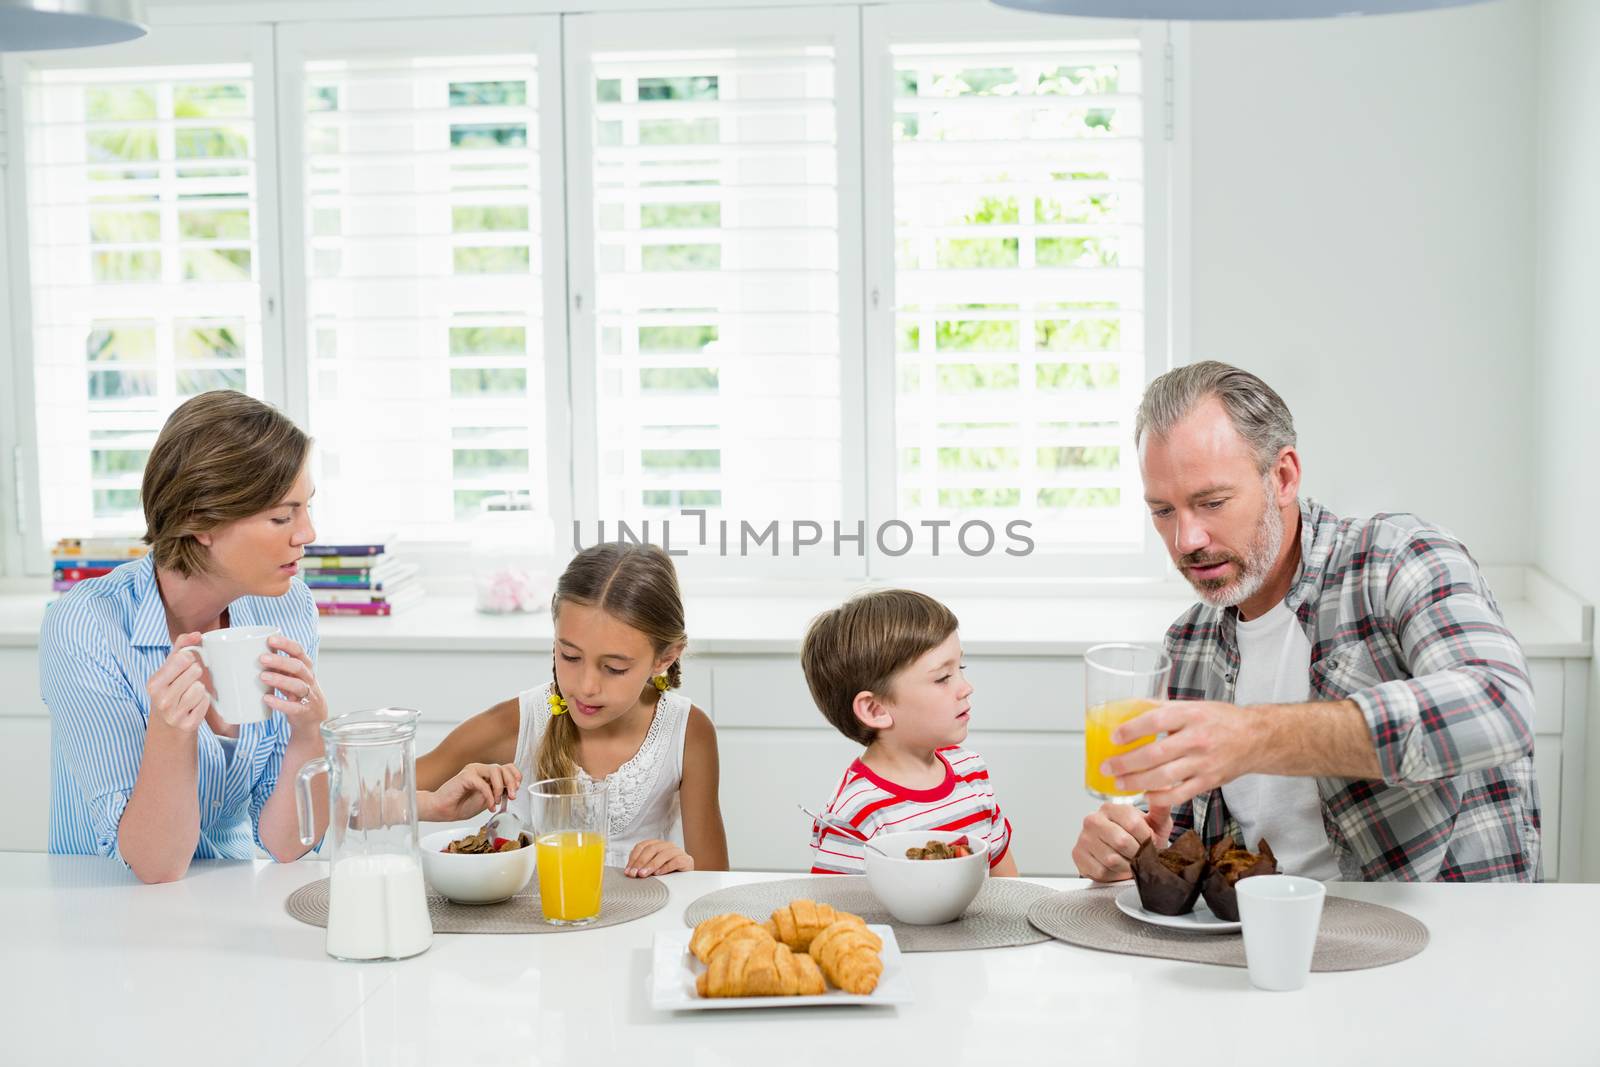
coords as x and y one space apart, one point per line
425 272
1020 276
714 173
145 220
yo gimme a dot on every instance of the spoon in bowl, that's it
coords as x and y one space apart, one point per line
504 824
849 831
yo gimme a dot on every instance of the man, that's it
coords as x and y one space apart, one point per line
1346 688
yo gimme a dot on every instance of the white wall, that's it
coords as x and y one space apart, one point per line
1567 459
1362 239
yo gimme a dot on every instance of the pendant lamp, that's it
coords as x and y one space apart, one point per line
27 25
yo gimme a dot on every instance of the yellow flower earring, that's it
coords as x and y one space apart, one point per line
557 705
660 682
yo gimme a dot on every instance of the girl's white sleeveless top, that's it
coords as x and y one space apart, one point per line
643 792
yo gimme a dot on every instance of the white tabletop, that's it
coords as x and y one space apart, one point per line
213 970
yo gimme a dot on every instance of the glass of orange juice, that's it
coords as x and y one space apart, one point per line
569 839
1120 683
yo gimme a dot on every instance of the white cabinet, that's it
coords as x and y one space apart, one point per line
765 773
24 783
776 749
1547 766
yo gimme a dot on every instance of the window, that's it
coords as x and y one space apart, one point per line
1020 277
144 237
870 265
424 259
712 193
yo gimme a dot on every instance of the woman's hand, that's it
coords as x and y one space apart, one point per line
302 703
657 857
476 787
178 695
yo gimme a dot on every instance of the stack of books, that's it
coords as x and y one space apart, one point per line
77 558
359 579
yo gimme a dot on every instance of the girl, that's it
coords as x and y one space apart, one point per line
609 713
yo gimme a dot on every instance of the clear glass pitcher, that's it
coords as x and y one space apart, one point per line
377 906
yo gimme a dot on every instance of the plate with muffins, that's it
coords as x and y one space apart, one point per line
1187 886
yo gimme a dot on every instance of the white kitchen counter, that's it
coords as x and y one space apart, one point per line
211 969
1049 621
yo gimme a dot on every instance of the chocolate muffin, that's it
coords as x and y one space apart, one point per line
1169 878
1227 863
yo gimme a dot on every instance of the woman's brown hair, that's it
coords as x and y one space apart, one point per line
862 644
221 456
634 584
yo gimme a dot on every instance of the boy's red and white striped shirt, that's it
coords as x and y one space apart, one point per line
872 804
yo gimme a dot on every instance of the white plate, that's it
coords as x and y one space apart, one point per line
673 971
1198 921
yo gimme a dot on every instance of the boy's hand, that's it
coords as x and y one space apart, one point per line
657 857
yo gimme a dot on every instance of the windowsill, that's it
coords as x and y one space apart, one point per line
1052 619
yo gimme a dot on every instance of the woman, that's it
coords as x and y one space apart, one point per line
142 767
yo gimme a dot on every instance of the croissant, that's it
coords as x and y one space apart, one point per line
848 953
721 929
799 921
759 967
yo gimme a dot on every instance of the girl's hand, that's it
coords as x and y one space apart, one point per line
657 857
178 695
305 706
476 787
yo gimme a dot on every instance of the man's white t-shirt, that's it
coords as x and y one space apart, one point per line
1275 668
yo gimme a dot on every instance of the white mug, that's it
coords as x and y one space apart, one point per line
1281 914
233 656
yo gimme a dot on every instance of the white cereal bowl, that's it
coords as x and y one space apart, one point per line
466 878
925 892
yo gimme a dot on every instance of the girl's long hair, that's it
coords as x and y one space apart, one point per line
635 584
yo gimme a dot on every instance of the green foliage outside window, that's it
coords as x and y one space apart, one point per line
474 462
979 459
1065 497
1076 335
970 499
1077 376
1079 458
488 94
488 340
679 379
657 339
970 377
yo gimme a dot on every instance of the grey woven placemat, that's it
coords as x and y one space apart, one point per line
622 899
1354 934
997 918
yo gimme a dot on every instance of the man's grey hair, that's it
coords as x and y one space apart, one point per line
1257 412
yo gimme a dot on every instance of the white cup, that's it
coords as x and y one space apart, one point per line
233 656
1281 914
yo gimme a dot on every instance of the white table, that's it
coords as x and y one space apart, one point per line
212 970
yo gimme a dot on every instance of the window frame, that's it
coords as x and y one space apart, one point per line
174 46
298 42
587 33
960 22
274 34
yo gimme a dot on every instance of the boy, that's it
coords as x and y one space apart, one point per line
885 669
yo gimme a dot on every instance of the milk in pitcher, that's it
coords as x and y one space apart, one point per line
377 908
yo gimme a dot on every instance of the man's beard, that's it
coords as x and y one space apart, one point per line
1253 568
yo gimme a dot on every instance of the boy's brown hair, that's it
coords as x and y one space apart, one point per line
221 456
860 646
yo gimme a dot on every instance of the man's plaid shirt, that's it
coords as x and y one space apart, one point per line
1401 622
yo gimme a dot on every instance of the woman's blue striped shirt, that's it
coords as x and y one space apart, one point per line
99 645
